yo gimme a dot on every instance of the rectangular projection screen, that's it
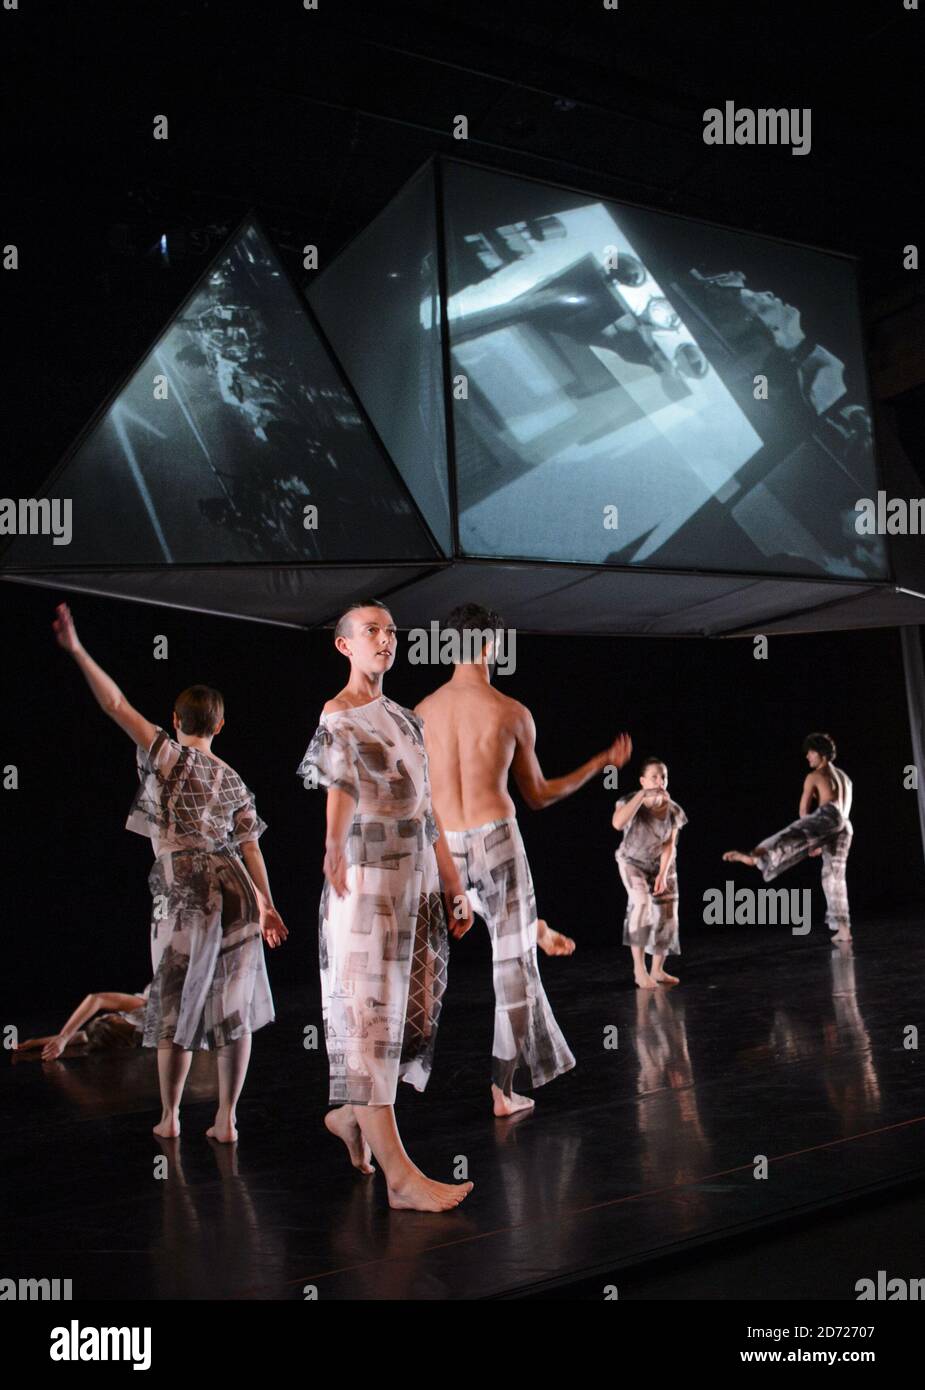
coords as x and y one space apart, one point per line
636 388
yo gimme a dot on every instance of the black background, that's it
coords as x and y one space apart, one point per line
729 726
316 120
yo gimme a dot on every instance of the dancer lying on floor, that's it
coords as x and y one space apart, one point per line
121 1026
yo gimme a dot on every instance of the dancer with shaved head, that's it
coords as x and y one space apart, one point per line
383 932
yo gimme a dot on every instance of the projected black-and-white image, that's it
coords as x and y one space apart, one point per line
379 306
641 389
234 428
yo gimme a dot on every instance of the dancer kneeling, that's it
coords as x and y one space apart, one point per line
650 822
383 935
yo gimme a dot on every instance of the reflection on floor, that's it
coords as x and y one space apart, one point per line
772 1046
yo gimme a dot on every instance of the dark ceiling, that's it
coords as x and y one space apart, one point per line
316 118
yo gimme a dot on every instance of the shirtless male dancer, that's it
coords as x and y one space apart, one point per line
822 829
474 737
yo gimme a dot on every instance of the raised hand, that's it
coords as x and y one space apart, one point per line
64 629
620 751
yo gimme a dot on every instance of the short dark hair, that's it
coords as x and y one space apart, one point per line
471 617
820 743
652 759
198 709
342 626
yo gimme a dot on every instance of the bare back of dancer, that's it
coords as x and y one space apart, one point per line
475 737
827 784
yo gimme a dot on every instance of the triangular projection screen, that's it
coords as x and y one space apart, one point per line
596 417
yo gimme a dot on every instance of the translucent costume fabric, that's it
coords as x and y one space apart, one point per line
118 1028
187 799
495 873
827 829
650 922
210 983
383 947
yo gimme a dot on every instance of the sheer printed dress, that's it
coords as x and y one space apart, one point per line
210 983
383 947
650 921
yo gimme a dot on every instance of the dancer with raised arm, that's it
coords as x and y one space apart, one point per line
212 905
383 929
475 737
646 858
823 829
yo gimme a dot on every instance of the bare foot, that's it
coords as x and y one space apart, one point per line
644 980
664 978
342 1123
418 1193
553 942
739 857
224 1133
843 934
168 1128
509 1105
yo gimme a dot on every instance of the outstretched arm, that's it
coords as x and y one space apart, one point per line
105 691
539 791
56 1044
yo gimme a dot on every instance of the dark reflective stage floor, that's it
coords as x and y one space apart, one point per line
773 1045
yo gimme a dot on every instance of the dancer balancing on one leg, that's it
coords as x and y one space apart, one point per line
646 858
212 908
383 935
475 737
823 829
106 1019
